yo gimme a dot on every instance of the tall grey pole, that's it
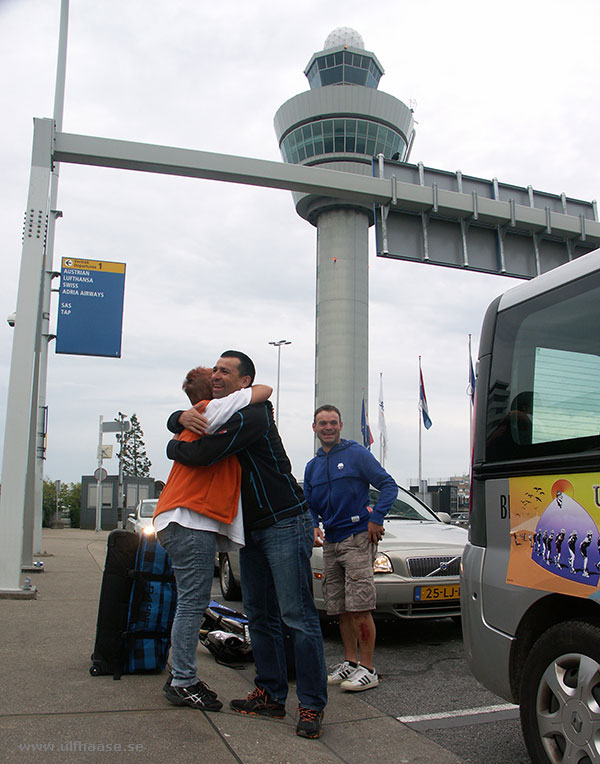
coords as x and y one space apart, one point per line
278 345
21 401
121 498
44 337
99 479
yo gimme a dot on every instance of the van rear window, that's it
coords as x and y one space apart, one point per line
544 395
566 388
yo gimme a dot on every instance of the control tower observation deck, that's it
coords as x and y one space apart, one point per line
341 123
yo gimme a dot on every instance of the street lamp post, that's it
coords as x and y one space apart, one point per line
278 345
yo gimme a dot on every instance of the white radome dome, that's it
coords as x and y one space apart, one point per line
344 36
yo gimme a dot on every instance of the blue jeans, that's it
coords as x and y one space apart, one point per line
276 587
192 555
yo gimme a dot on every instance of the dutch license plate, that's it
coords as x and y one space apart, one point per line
434 593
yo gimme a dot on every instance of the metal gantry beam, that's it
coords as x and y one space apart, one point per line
166 160
482 225
410 197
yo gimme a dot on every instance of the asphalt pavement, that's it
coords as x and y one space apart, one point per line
53 710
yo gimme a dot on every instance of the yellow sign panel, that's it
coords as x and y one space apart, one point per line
92 265
555 533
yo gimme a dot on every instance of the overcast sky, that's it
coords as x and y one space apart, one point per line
506 90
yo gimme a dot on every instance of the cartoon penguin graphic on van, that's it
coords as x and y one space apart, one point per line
581 562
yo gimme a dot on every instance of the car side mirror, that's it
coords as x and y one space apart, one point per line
444 517
131 515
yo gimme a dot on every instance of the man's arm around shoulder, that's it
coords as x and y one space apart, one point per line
190 419
239 432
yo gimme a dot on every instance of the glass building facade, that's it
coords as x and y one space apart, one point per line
342 136
343 68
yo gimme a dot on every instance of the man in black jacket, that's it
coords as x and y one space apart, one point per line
275 562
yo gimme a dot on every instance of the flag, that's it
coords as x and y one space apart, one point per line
381 421
471 388
364 427
423 402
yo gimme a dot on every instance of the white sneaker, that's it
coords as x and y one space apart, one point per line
341 672
361 679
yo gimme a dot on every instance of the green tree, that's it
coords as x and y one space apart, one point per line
69 500
133 451
49 502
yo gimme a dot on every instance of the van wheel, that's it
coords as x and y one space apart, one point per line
560 695
230 588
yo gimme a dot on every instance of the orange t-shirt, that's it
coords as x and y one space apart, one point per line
213 491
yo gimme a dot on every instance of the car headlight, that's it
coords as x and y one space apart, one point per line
382 564
148 530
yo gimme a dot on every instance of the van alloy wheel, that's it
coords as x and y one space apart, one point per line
560 695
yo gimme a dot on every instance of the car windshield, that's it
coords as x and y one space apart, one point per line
406 507
147 508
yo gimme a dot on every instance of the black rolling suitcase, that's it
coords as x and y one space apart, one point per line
137 607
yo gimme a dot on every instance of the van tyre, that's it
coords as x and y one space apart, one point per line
230 588
560 695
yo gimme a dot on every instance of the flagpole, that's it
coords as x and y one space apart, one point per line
364 425
381 454
471 389
381 424
470 399
420 424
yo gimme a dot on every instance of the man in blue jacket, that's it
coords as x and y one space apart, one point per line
336 486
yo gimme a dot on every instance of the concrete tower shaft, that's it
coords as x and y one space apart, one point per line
342 327
342 122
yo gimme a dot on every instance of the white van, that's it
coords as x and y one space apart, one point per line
531 569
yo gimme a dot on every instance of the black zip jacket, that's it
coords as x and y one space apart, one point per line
269 490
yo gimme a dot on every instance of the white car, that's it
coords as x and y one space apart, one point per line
416 568
140 520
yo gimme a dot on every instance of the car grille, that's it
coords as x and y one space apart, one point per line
424 567
442 609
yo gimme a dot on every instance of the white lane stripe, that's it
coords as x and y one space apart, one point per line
453 714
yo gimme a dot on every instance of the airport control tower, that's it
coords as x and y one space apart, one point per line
342 123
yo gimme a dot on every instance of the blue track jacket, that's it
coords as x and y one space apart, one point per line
336 486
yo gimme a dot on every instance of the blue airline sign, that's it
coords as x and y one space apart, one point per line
90 309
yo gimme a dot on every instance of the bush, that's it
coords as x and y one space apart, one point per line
74 514
69 500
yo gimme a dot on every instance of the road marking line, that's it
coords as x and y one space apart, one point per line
461 718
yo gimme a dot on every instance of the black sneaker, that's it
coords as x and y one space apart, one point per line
169 682
198 695
309 722
259 702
